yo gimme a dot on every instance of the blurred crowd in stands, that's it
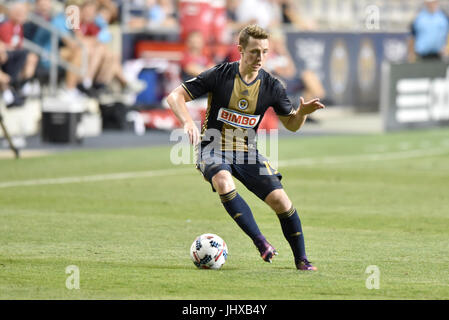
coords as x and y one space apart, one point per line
89 33
87 39
84 36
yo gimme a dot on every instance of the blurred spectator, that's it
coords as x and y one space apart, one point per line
93 35
265 13
88 35
231 15
194 16
233 53
36 34
70 49
170 10
104 64
280 63
153 15
220 33
7 95
157 13
206 16
291 16
19 65
429 33
43 9
4 81
194 60
3 12
111 7
103 19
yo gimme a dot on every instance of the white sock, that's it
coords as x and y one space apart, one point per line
27 89
8 96
87 83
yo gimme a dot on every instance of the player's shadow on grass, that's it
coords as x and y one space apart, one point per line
187 267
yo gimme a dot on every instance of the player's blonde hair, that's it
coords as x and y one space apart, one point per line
253 31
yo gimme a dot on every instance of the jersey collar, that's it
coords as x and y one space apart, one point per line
241 78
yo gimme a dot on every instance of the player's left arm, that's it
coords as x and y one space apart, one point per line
296 120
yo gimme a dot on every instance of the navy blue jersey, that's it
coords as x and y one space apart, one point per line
236 105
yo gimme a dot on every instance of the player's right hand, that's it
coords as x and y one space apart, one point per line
192 131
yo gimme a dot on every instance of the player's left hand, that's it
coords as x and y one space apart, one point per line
309 106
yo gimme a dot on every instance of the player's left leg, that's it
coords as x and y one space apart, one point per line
291 226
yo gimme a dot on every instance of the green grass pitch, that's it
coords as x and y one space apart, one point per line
364 200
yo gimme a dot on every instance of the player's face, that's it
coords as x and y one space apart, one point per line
254 54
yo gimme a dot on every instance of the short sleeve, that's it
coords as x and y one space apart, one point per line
282 104
59 23
201 84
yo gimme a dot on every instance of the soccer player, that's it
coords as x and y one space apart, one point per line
239 93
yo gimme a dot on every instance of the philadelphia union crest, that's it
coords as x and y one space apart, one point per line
242 104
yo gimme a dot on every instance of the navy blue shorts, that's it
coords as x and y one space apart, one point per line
253 170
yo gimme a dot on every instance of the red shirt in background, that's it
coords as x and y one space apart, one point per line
202 60
195 15
11 34
89 29
233 53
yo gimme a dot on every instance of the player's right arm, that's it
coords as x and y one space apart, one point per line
177 101
189 90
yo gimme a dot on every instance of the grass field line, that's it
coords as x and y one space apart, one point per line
95 178
417 153
282 163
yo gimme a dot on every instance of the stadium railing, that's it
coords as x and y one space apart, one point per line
53 56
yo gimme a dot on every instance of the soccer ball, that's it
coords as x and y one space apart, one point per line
209 251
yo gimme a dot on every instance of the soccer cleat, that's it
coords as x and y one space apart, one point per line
267 251
269 254
305 265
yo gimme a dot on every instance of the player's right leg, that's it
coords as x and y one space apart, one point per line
218 172
239 210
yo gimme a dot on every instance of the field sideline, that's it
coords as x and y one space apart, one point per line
126 219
